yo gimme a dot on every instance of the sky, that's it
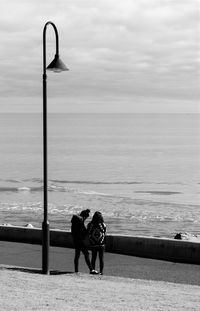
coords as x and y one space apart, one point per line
123 56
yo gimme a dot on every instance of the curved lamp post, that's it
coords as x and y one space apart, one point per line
57 66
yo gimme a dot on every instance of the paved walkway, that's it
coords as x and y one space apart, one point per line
61 260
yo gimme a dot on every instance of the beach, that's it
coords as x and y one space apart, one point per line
130 168
116 133
128 283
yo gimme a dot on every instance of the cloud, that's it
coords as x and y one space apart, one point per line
114 49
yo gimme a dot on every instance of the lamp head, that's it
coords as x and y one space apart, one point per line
57 65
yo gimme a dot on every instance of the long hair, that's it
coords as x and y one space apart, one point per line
97 218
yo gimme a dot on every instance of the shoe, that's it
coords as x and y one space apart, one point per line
101 273
94 272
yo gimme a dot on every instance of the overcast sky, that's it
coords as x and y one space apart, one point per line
123 56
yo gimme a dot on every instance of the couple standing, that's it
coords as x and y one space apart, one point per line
92 237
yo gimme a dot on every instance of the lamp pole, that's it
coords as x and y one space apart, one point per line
57 66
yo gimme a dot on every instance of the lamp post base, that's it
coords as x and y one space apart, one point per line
45 247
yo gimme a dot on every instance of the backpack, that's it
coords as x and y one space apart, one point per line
96 233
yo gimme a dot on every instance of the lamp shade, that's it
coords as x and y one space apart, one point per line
57 65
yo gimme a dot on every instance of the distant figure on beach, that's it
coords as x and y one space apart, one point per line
96 234
79 233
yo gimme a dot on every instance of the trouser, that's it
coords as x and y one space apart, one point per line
78 249
100 251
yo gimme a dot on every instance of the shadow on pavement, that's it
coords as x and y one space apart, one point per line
34 270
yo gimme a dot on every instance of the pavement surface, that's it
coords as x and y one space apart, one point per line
61 261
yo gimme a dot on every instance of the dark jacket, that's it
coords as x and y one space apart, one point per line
78 228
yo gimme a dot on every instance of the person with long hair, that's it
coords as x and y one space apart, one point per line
96 234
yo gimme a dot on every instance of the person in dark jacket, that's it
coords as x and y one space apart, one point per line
96 233
79 232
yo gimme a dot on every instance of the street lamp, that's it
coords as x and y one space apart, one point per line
57 66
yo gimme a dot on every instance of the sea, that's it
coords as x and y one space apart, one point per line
140 170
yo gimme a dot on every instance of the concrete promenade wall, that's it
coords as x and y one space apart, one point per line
149 247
